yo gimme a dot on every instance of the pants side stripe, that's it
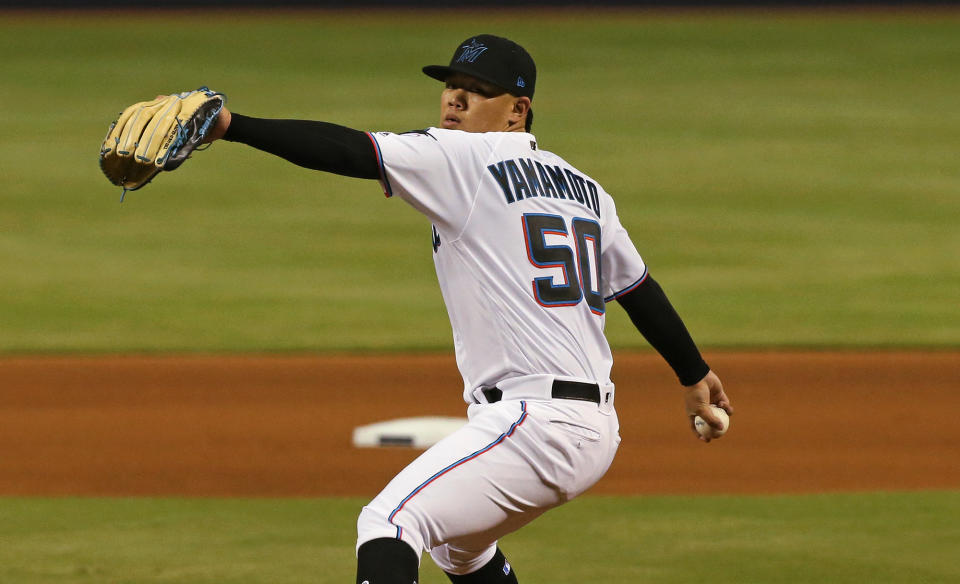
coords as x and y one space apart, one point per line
487 448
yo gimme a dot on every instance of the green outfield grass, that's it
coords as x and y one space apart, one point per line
882 538
792 180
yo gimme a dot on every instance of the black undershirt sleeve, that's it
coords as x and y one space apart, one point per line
658 322
316 145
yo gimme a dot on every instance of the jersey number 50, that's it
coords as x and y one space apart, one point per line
580 262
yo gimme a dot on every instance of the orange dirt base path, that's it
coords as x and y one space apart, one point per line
281 426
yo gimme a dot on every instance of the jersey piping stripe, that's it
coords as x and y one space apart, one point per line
465 459
629 288
383 170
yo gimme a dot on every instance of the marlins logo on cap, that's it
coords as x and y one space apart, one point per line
471 52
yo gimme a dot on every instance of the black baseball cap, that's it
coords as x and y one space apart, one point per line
493 59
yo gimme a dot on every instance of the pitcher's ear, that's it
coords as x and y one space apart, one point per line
521 106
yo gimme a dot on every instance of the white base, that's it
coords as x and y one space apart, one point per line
422 432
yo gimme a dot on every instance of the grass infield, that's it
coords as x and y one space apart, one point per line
790 179
882 538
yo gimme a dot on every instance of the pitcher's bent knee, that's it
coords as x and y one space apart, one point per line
374 523
456 561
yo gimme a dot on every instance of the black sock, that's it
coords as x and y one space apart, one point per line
387 561
496 571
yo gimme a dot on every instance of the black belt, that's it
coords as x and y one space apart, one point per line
561 390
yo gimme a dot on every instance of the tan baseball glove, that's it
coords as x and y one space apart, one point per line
151 136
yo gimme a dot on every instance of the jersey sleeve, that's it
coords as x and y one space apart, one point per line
436 171
622 267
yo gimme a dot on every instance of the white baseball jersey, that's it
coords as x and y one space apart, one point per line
528 250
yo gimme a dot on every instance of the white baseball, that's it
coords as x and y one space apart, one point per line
704 428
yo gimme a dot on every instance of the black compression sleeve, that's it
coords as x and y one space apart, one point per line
655 318
316 145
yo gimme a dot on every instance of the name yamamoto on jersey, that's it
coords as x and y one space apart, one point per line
525 178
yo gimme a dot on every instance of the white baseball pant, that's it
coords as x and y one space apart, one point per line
511 462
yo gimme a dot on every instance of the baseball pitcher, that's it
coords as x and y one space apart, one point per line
529 253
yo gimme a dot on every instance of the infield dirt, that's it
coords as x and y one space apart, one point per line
281 425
